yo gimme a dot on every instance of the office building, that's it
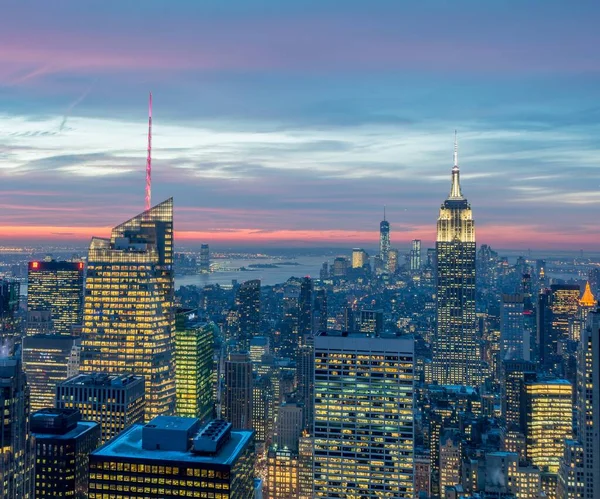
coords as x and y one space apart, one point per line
16 443
320 310
515 374
564 308
588 403
194 342
305 365
415 256
363 436
56 288
587 304
450 459
237 403
259 346
456 355
282 474
115 401
545 341
247 302
129 319
392 262
47 361
63 443
340 267
290 425
547 414
384 239
175 457
359 258
514 342
305 466
571 480
204 259
371 322
305 311
9 307
262 411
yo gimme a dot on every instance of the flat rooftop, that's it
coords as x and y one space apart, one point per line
82 427
128 445
102 379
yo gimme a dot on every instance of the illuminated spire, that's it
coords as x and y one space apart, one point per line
587 299
384 213
455 191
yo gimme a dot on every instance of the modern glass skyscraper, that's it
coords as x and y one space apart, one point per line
364 427
194 342
456 358
56 288
129 320
248 305
384 239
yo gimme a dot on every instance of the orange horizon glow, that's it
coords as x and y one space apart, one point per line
496 235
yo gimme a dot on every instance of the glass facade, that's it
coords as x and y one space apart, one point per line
548 421
56 287
129 320
363 429
49 360
194 365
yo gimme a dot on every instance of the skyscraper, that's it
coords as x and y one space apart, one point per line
588 403
128 312
47 361
115 401
204 259
9 306
194 341
456 357
359 258
175 457
415 255
305 310
547 414
57 288
16 444
63 443
237 406
514 338
384 240
364 401
248 305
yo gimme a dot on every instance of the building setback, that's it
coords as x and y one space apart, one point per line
114 401
63 443
175 457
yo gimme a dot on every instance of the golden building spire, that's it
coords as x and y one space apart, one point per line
587 299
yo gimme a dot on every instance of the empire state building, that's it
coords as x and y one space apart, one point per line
456 356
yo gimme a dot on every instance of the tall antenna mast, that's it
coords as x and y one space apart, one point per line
149 159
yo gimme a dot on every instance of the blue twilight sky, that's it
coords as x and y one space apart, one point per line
279 122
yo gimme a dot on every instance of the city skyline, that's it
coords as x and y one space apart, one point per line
265 145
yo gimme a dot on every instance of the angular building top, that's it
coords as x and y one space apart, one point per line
587 299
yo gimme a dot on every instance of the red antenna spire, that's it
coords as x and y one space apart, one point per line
149 159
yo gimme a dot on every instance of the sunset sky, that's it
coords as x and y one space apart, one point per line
283 123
